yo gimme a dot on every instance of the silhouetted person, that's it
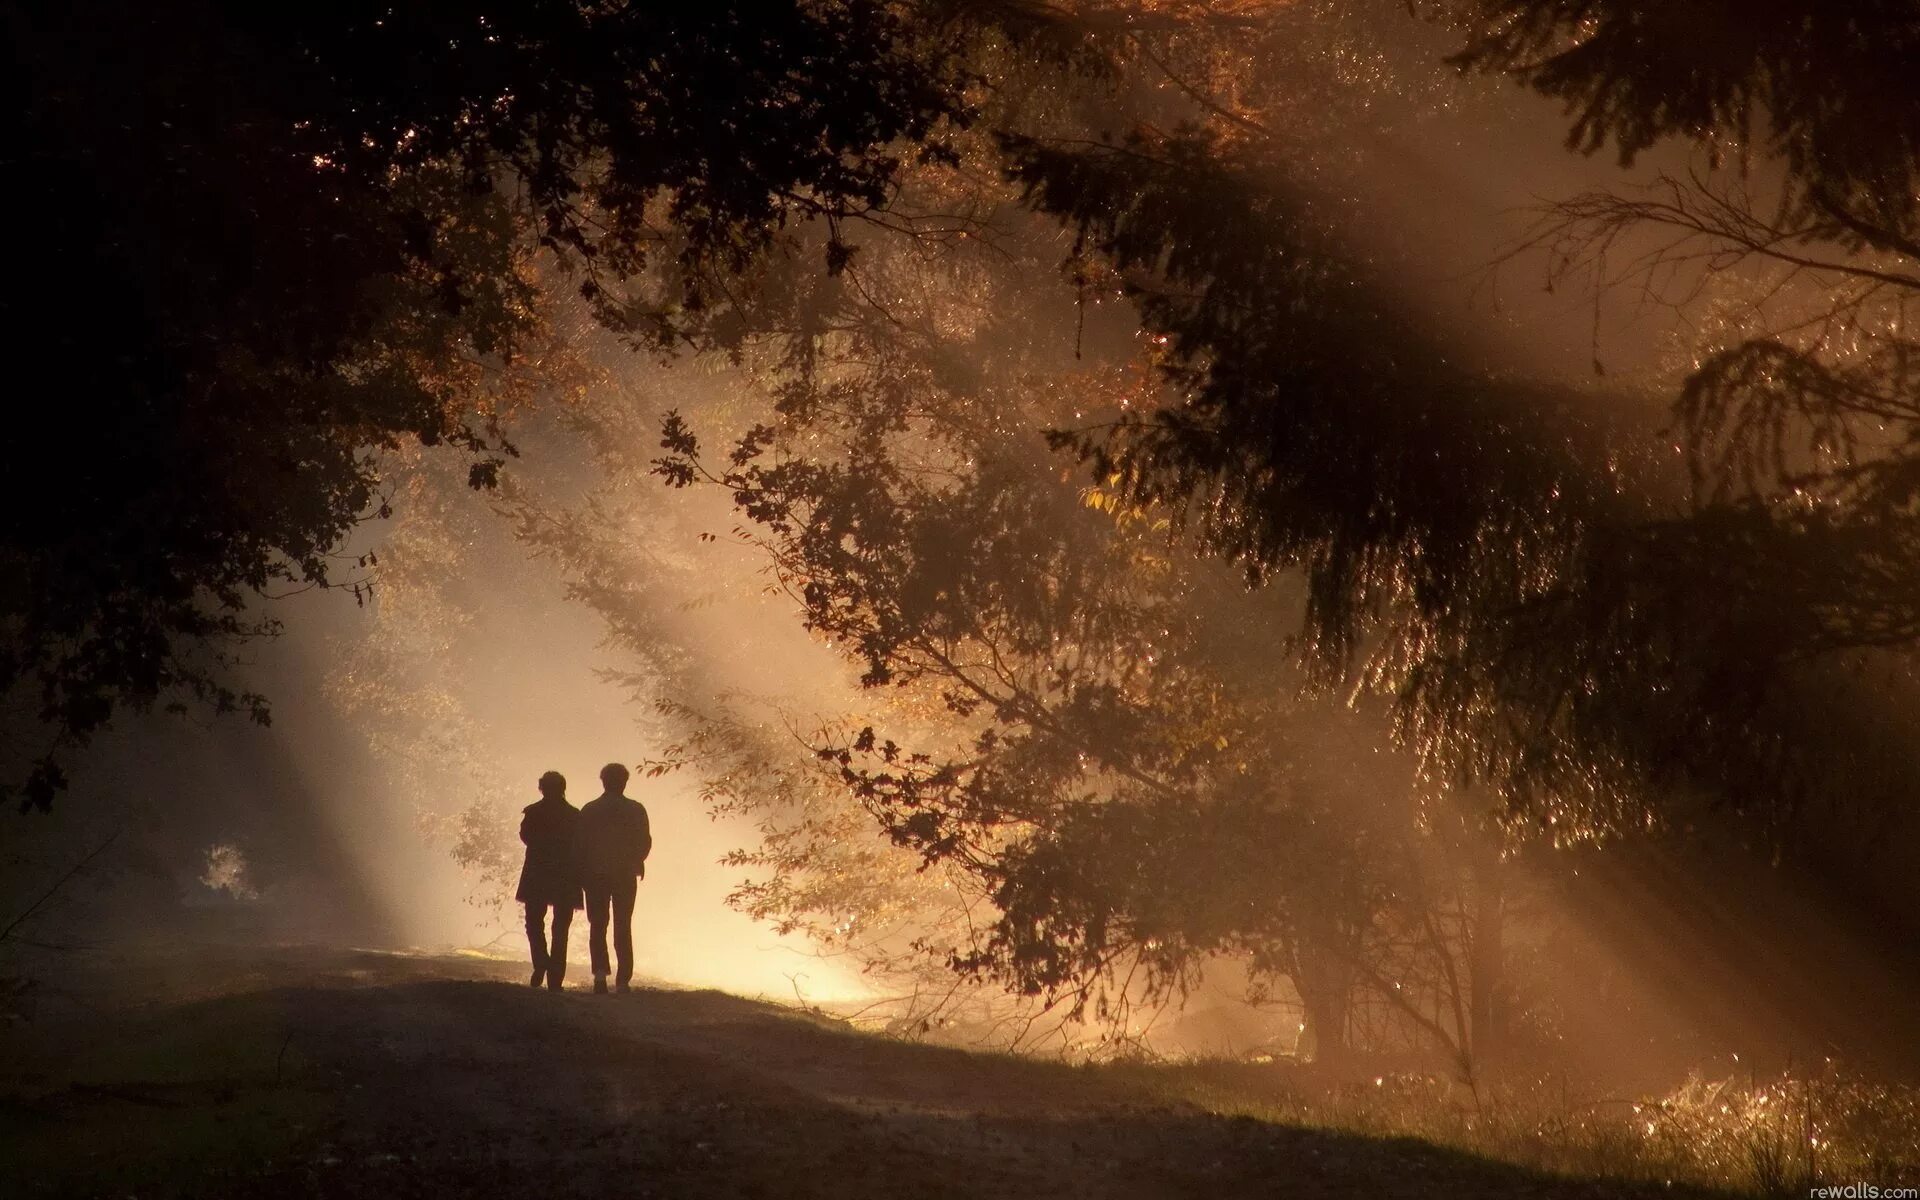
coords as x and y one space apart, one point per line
550 879
614 842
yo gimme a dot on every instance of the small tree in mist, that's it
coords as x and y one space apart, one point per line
1105 745
1106 742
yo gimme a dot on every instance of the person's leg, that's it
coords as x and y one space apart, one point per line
597 904
557 957
537 940
623 897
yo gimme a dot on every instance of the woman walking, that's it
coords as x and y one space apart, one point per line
550 877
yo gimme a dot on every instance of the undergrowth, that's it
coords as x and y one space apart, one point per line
1770 1136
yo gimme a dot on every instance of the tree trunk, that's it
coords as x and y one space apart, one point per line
1486 965
1325 991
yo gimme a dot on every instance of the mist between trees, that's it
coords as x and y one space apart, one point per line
1200 607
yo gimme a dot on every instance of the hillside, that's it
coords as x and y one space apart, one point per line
304 1073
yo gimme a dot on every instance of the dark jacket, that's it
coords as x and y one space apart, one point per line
615 840
551 830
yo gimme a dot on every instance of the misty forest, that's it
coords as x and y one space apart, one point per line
1243 598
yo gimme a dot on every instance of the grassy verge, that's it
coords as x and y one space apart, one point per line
1767 1137
108 1110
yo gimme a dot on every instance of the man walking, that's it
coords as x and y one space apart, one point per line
615 840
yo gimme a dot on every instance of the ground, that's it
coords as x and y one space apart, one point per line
337 1074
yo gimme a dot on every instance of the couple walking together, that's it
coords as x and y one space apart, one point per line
592 857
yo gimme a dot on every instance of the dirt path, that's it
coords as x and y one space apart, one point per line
350 1076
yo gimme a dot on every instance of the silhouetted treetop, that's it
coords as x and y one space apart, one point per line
1799 416
272 241
1829 89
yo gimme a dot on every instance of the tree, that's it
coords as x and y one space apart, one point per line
276 243
1452 527
1800 225
1097 731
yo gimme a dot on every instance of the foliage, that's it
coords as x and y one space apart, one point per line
1100 732
1486 553
1828 92
306 232
1798 408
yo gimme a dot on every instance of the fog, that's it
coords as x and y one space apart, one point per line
1413 683
345 840
469 668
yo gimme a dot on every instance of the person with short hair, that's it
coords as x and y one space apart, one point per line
615 840
550 877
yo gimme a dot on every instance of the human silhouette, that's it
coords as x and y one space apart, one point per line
550 878
615 840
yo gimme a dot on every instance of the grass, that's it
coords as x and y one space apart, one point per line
148 1097
345 1074
1767 1137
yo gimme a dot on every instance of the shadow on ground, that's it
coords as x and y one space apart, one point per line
382 1080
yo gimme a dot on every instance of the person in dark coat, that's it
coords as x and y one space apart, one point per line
615 840
550 879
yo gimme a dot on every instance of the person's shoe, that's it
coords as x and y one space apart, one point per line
539 976
553 985
621 987
599 985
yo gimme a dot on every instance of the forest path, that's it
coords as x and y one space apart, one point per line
289 1074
